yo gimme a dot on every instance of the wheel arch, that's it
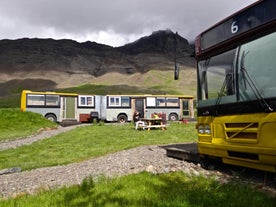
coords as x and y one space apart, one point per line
51 116
173 116
122 116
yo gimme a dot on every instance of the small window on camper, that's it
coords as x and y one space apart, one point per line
114 101
86 101
150 101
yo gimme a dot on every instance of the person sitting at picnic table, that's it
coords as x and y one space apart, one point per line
137 122
155 115
136 116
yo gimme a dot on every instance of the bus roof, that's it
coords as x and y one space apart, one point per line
49 93
130 95
248 19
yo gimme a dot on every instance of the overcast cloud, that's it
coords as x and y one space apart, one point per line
111 22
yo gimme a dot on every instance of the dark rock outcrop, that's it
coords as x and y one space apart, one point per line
152 52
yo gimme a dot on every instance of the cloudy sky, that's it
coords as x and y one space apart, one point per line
111 22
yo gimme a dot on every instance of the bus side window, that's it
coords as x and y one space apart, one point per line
172 102
125 101
35 100
52 100
160 101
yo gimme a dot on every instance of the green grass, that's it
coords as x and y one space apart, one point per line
144 189
14 123
12 101
91 141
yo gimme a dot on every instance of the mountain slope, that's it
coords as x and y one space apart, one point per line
24 63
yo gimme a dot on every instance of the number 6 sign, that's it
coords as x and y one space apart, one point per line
234 28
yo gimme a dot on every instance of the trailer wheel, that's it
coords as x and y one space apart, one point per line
122 118
51 117
173 117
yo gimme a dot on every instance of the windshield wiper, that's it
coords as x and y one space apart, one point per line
226 82
247 79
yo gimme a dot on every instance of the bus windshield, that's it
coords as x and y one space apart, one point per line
216 74
258 59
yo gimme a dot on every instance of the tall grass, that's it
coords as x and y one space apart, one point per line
144 189
91 141
15 124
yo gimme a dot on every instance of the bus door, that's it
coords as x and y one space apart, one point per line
139 106
185 108
100 106
68 107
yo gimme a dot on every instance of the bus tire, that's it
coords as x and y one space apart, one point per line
173 117
122 118
51 117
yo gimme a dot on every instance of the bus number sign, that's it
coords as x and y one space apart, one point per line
243 21
234 28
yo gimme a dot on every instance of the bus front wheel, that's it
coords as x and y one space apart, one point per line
122 118
51 117
173 117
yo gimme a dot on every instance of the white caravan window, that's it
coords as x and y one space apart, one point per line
114 101
86 100
151 101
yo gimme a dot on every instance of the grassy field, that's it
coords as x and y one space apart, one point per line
91 141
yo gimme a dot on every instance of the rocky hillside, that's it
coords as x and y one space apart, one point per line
67 62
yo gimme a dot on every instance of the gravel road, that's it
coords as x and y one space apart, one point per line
147 158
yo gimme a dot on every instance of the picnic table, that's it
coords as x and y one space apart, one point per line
149 123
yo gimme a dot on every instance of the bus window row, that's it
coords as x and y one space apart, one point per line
79 107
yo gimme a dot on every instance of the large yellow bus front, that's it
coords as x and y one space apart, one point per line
236 72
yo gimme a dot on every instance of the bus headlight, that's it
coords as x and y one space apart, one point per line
207 129
204 129
200 129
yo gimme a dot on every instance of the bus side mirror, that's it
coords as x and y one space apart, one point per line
176 71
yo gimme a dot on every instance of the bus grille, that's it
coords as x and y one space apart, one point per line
248 131
243 155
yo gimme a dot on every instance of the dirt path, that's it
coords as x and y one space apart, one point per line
42 134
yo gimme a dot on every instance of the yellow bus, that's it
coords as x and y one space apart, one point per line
236 73
58 107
